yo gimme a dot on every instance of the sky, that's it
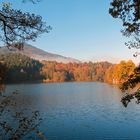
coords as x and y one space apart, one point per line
82 29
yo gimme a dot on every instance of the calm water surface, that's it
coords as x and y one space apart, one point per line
81 111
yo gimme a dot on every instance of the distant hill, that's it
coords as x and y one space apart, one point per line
38 54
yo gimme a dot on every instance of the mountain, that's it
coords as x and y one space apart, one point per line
38 54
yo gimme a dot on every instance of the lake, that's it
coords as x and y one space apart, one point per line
81 111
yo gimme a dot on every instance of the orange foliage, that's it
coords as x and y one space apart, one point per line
60 72
120 73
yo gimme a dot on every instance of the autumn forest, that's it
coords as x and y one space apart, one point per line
20 68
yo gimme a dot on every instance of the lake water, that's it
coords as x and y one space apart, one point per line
81 111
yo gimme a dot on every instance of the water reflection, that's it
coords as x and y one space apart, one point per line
17 121
82 111
2 88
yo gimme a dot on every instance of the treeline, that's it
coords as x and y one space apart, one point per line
119 73
60 72
20 68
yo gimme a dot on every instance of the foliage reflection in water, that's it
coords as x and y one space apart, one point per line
80 110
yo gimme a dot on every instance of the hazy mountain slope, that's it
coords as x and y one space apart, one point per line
38 54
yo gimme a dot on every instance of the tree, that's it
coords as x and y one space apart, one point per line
129 12
17 124
3 71
132 80
20 66
17 27
119 73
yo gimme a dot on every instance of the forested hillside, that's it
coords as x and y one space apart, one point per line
20 68
37 54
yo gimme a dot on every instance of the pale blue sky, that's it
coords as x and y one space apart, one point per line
82 29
